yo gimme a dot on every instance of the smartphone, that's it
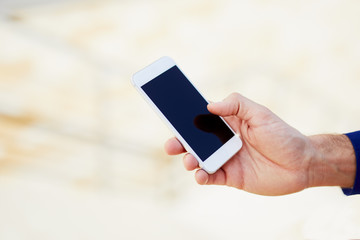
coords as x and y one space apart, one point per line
184 110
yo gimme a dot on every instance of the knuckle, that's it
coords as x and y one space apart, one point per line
234 95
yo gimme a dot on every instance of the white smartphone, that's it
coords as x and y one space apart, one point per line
184 110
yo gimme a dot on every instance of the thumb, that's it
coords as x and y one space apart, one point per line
235 105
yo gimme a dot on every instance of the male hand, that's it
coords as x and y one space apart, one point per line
275 159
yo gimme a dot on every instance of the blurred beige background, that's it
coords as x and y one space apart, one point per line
81 153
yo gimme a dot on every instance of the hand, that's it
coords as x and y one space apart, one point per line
275 159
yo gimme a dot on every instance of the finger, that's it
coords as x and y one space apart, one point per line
201 177
218 178
190 163
174 147
234 105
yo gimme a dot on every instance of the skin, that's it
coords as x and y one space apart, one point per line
275 159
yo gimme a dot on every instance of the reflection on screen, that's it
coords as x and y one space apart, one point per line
186 110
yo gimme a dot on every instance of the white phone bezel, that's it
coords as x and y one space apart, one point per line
219 157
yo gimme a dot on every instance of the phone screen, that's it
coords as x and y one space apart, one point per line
186 110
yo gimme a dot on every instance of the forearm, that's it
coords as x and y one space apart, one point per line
333 162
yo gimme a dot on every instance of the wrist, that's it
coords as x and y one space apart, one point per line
333 161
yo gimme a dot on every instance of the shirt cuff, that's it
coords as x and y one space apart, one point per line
355 141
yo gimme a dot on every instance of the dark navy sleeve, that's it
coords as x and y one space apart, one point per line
355 140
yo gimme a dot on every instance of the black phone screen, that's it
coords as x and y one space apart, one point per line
186 110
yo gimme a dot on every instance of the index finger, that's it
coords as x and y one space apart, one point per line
174 147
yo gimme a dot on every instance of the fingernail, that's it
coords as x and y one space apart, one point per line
206 179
